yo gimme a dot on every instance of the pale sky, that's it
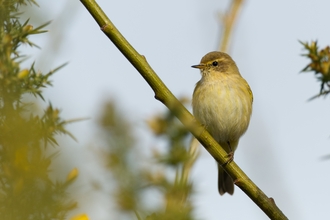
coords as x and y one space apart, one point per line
282 149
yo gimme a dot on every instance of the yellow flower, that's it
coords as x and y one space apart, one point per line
72 175
80 217
24 73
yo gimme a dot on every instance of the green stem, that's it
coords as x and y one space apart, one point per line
163 94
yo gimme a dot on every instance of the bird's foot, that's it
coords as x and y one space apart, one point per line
230 157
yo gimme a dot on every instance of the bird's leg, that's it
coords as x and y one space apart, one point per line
230 155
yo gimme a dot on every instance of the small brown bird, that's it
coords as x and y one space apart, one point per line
222 102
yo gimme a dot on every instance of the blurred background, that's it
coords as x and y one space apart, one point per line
288 137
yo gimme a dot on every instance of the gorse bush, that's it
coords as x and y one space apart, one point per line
26 189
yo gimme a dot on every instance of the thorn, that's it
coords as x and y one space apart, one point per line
104 26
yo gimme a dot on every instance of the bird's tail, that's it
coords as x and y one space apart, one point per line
225 182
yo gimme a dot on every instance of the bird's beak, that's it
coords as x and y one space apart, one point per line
199 66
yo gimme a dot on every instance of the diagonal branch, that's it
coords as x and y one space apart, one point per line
163 94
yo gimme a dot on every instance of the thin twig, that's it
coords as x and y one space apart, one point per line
228 21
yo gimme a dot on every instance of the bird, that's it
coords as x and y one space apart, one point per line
222 102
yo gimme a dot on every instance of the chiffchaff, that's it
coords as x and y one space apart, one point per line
222 102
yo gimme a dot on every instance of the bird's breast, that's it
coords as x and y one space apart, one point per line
224 107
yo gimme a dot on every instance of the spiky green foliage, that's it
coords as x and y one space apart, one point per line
26 190
319 64
134 174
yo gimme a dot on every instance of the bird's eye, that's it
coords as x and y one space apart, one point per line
215 63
